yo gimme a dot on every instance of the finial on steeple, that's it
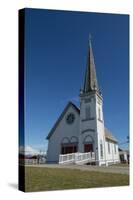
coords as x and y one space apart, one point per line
89 37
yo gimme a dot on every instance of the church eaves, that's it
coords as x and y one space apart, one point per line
61 116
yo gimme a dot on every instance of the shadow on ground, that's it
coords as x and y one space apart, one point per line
13 185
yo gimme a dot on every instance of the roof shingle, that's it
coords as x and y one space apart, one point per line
109 136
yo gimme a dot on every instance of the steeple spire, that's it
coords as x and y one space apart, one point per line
90 82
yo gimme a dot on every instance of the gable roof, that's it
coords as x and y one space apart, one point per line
109 136
61 116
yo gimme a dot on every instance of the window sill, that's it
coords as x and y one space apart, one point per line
83 120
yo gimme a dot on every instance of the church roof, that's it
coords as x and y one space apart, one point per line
61 116
90 81
109 136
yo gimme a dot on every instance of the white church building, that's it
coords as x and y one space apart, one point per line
79 135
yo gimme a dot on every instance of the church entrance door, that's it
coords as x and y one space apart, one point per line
88 147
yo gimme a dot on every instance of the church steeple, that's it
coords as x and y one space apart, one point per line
90 81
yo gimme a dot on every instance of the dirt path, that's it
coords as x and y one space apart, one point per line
109 169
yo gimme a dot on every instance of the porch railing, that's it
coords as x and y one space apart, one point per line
77 158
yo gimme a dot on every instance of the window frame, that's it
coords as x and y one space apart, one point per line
101 149
108 147
88 112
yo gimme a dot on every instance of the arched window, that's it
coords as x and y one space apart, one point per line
108 147
88 112
69 145
65 140
88 144
74 139
101 149
88 139
115 148
99 113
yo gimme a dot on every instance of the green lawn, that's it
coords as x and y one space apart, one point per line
121 165
44 179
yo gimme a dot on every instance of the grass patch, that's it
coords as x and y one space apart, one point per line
121 165
44 179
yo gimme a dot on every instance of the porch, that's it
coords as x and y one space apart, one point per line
77 158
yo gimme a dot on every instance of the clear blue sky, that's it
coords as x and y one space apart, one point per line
56 46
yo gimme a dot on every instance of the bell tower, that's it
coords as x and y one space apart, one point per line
92 136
